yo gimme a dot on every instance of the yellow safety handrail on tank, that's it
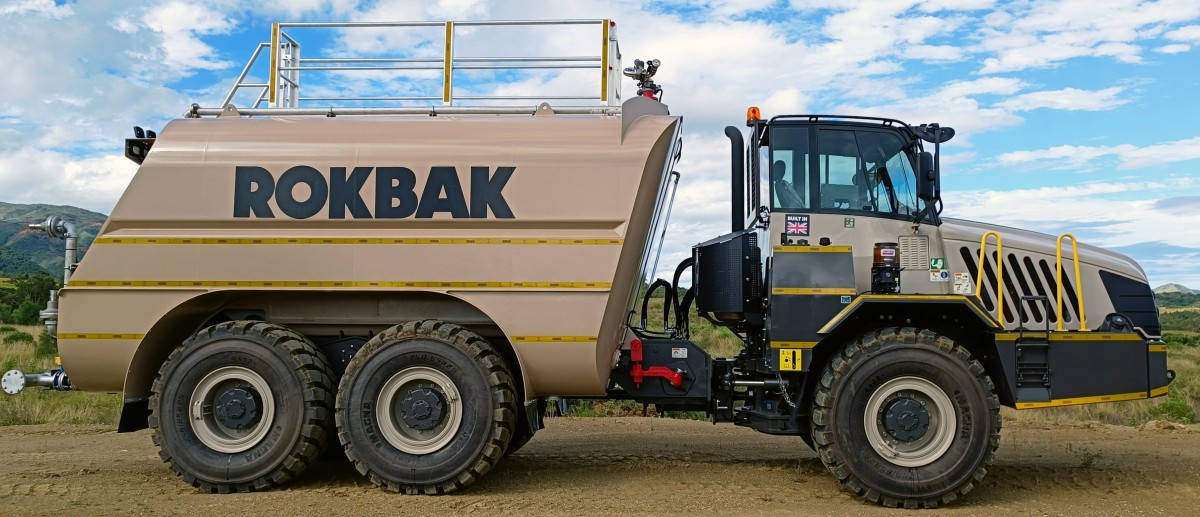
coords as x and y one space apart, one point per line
999 273
1078 283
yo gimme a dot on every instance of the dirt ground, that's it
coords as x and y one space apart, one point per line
620 466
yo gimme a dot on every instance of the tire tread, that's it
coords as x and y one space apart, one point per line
844 362
316 376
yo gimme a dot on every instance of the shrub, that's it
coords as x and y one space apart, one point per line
7 328
1175 410
45 346
18 337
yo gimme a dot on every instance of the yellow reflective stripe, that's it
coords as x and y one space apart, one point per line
793 344
327 283
553 339
1084 336
365 240
813 290
1158 392
1157 348
1082 400
75 335
812 249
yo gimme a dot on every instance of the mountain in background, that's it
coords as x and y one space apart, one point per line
24 251
1174 288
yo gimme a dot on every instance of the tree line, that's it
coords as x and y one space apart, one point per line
28 296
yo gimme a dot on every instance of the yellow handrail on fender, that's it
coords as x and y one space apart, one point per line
1078 284
999 273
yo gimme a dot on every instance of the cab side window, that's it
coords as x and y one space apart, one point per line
788 168
865 171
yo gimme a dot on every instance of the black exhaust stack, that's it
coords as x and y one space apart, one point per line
737 147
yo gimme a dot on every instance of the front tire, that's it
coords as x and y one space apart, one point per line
905 417
241 406
426 407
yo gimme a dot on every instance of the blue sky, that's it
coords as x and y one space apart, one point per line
1072 115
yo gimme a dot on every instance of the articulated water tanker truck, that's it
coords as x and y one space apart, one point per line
413 283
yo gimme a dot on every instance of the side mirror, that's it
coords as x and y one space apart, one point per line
927 178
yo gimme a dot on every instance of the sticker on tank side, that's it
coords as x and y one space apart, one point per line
797 225
395 193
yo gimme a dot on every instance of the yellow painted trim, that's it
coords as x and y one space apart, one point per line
604 61
841 315
814 290
793 344
812 249
927 297
272 82
1089 336
1082 400
553 339
336 283
1157 348
73 335
1158 392
448 70
167 240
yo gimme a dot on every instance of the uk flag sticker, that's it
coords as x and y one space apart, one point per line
797 225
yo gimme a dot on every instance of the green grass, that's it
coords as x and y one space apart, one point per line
42 406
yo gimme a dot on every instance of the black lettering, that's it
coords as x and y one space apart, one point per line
252 189
344 193
394 184
318 192
489 192
443 179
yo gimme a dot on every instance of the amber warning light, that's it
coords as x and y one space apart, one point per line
752 114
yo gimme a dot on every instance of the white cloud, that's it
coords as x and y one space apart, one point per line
1177 48
1190 34
37 7
1071 99
179 26
1128 156
1046 34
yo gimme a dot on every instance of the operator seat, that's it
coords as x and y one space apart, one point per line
783 190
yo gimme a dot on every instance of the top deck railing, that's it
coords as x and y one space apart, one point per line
282 94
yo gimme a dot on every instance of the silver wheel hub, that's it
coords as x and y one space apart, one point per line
420 410
910 421
232 409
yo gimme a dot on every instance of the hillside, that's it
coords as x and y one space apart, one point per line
24 251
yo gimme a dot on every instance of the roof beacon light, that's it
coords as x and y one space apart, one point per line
753 114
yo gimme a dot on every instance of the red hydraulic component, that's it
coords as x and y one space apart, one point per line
638 373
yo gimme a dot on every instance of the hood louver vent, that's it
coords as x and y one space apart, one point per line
1024 275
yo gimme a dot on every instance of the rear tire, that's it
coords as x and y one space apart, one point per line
426 407
241 406
904 417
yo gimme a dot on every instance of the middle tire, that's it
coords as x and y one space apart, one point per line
426 407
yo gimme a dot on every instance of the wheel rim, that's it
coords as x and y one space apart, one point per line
420 410
910 421
232 409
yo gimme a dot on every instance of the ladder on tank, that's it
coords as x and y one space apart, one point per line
441 80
